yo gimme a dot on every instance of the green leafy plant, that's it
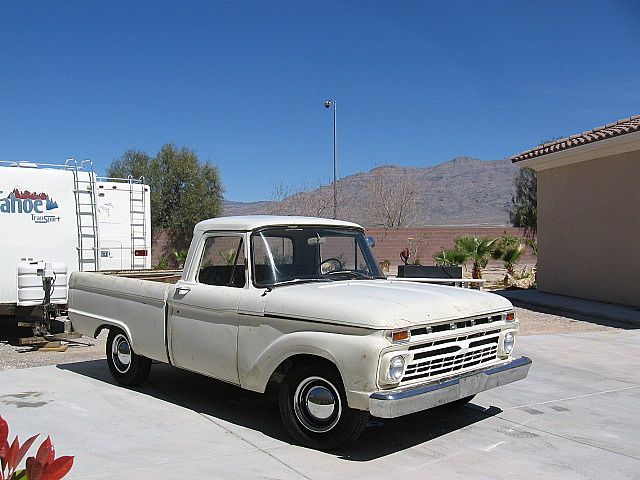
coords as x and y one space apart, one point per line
524 274
450 258
184 190
509 249
181 256
523 211
478 250
44 466
228 256
163 263
532 243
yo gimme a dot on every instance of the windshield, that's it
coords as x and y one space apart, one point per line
310 254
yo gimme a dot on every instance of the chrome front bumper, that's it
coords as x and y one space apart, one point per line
403 401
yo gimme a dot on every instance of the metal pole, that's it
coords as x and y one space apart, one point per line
335 160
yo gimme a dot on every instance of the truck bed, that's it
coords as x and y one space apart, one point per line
133 301
163 276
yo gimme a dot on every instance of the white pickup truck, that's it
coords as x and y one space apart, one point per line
301 303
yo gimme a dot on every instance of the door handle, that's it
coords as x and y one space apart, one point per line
182 290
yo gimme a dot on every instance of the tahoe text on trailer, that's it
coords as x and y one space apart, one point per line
300 303
57 219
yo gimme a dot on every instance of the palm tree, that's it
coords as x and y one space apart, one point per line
477 250
509 249
451 257
511 256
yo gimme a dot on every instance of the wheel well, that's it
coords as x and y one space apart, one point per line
106 326
279 373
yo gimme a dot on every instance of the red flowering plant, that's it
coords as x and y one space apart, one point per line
44 466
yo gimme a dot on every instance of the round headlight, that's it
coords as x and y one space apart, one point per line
396 369
509 340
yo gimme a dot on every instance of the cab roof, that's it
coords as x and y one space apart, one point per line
252 222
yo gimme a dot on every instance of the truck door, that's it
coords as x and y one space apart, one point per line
203 309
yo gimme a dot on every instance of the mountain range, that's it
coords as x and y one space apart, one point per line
461 191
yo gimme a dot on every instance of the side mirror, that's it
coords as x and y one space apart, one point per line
371 242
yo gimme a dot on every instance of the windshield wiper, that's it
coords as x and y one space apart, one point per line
298 280
294 281
356 274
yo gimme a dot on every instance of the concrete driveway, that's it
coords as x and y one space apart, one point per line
575 416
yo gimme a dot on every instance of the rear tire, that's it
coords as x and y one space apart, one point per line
314 408
127 367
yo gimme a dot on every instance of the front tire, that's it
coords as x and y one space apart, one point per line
314 408
127 367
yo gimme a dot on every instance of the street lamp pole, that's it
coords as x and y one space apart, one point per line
328 104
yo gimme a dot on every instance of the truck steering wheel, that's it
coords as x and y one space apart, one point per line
335 261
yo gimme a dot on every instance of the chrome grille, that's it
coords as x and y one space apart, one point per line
450 355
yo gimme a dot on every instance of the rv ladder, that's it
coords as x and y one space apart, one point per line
138 225
86 214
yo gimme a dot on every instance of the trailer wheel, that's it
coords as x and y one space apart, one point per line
127 367
314 408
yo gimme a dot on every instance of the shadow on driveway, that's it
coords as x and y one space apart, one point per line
228 403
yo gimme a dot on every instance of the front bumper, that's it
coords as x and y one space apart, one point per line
395 403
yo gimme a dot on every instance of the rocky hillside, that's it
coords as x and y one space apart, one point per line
462 191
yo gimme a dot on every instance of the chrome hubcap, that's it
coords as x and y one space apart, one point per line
317 404
121 353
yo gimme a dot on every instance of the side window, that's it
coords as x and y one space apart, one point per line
222 262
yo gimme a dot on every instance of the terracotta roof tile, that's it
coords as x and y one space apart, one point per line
621 127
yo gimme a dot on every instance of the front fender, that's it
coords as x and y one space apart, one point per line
355 356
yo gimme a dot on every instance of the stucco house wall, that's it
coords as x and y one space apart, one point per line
589 229
589 213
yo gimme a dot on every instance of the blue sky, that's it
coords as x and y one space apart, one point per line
243 83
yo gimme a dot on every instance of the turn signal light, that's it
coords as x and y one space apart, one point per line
400 336
510 317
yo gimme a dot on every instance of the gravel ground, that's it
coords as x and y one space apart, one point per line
537 322
533 322
13 356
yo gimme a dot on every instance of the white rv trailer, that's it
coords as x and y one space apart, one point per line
67 219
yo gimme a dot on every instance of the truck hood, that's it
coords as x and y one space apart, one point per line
380 304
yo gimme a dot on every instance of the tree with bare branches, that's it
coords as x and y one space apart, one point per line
308 201
393 201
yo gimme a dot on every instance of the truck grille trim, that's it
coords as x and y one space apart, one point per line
451 355
455 324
